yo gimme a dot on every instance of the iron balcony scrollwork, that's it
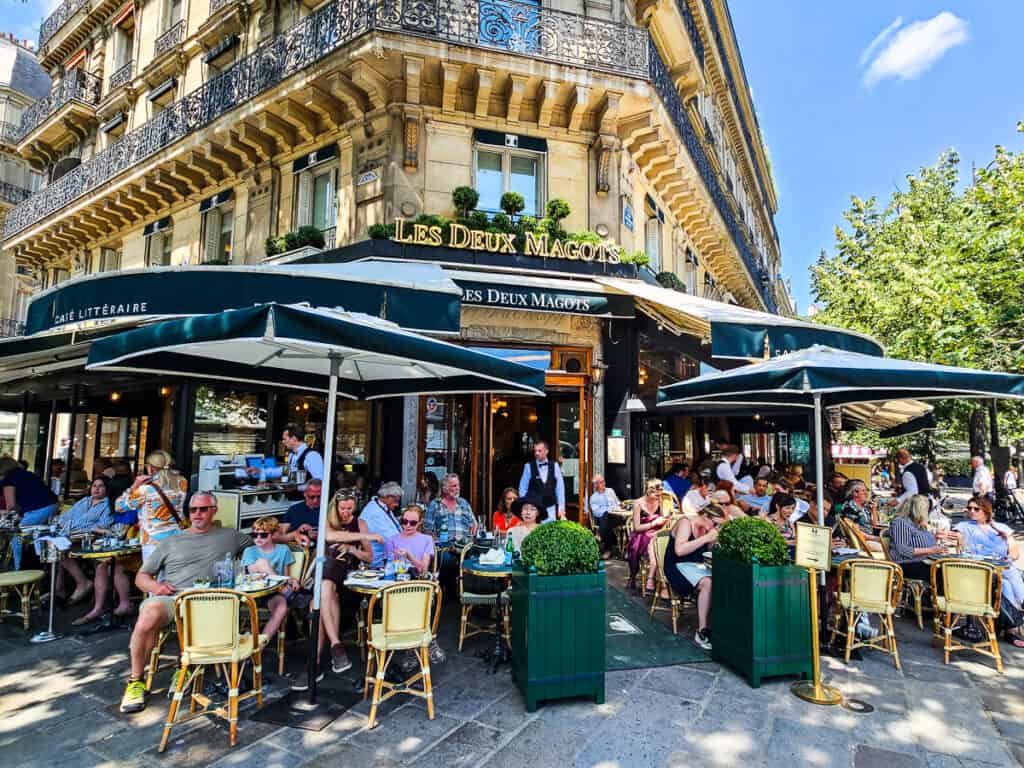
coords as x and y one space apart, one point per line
216 5
172 37
58 19
9 193
8 133
76 86
9 327
121 76
691 29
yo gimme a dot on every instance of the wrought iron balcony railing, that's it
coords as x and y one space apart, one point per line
52 24
169 39
121 76
76 86
9 193
10 327
666 90
216 5
691 29
8 133
517 27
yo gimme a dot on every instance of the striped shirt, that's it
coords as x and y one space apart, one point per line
905 537
84 515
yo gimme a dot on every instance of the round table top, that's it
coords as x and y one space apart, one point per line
17 578
620 512
104 554
474 566
271 589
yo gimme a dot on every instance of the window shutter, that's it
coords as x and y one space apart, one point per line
332 196
212 238
304 213
652 243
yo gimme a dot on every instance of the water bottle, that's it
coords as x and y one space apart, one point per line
226 578
442 535
389 570
509 549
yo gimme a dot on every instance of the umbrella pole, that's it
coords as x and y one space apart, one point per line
819 458
313 664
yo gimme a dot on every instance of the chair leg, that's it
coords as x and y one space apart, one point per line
918 609
257 676
851 626
948 628
428 687
378 684
993 642
654 599
233 704
368 674
26 604
154 659
197 687
462 624
172 711
892 641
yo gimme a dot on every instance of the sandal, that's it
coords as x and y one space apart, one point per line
80 594
81 621
126 612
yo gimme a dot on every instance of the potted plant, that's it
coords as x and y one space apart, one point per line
290 246
760 610
558 615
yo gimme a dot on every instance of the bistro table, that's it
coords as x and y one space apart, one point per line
502 572
121 549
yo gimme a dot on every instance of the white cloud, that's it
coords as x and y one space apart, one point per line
909 51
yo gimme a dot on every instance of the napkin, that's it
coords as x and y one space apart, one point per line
492 557
63 543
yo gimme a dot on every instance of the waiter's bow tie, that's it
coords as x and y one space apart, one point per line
542 464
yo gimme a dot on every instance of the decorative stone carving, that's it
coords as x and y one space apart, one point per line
412 142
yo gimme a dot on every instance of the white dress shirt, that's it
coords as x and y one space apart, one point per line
600 503
909 483
693 502
313 465
542 475
982 481
726 471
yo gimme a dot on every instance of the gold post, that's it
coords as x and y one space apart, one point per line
814 690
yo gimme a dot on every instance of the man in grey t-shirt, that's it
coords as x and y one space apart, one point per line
184 560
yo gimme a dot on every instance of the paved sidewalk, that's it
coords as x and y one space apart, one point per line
58 707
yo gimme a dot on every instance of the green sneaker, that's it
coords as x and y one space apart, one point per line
134 699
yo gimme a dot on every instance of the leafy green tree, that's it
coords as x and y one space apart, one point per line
937 273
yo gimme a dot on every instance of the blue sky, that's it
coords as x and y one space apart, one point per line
841 117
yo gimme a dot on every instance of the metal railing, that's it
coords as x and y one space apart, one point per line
664 86
169 39
76 86
121 76
10 327
8 132
57 19
691 29
10 193
216 5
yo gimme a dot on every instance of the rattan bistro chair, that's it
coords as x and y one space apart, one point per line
972 589
470 600
912 594
208 628
23 584
660 582
869 586
409 614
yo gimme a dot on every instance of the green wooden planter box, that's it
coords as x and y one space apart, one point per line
761 619
558 635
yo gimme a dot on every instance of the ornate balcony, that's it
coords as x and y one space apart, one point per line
10 327
58 18
121 76
216 5
9 193
663 85
172 37
8 133
76 88
691 30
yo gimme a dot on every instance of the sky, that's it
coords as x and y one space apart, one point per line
853 97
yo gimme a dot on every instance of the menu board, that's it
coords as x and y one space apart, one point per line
813 546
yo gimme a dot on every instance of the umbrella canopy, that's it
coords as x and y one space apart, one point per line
839 377
288 345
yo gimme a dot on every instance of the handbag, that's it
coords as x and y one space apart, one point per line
167 503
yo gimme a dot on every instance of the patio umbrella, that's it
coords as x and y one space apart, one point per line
287 345
820 377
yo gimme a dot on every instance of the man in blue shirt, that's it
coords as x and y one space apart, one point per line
677 480
543 480
300 522
380 518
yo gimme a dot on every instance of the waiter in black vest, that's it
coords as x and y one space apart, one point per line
543 480
913 476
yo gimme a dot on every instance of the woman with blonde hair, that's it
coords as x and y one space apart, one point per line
647 521
911 541
157 497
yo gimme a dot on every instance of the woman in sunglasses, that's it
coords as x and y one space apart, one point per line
416 547
265 556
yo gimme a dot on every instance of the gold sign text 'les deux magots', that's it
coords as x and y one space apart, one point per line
461 236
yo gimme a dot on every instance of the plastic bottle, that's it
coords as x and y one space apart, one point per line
227 572
509 549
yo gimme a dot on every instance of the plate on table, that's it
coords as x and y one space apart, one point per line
845 551
365 575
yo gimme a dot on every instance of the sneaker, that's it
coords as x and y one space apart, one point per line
302 684
437 655
339 659
864 630
702 639
134 699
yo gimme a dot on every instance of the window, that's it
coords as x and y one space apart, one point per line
689 271
158 244
110 260
124 38
316 198
173 13
652 242
217 226
509 170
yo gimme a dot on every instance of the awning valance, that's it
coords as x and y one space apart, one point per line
736 332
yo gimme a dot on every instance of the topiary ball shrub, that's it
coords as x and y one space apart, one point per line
512 203
561 548
464 199
752 540
557 209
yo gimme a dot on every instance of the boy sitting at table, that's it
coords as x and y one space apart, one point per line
273 560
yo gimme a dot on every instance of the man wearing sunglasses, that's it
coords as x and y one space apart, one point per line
300 521
176 563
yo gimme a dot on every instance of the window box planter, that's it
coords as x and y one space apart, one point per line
761 619
558 635
295 254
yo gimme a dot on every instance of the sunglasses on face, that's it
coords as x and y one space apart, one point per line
406 521
973 508
202 509
260 534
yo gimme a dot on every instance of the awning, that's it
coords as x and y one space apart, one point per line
921 423
736 332
418 297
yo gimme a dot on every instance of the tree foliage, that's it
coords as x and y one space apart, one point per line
937 273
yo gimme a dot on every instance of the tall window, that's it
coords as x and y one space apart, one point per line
652 242
217 226
316 199
124 39
689 271
110 260
173 13
500 170
158 245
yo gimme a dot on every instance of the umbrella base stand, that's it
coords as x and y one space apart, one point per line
295 710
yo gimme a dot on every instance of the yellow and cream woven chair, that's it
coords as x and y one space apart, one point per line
869 586
470 600
23 584
912 594
969 589
208 629
622 531
409 613
660 582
